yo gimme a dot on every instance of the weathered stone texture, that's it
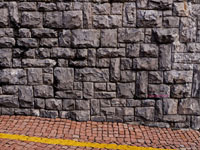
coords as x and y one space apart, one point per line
119 60
64 78
85 38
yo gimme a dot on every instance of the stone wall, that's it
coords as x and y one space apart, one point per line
102 60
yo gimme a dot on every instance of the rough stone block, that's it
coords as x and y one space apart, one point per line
4 17
145 63
73 19
155 77
26 96
110 52
129 15
88 90
27 42
164 35
129 35
149 50
141 84
27 6
165 57
146 113
101 8
43 91
187 30
132 50
53 104
107 21
35 76
65 38
181 9
126 90
159 91
181 90
7 42
9 101
92 75
64 78
53 19
38 62
13 76
189 106
82 105
149 18
31 19
85 38
170 106
109 38
5 57
48 113
174 76
44 33
68 104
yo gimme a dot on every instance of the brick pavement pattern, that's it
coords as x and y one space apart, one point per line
99 132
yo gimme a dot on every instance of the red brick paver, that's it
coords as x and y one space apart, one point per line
100 132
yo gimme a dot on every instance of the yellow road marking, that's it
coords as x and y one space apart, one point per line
72 143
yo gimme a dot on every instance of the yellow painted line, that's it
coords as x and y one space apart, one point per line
72 143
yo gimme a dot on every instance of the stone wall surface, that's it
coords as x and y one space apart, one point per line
122 60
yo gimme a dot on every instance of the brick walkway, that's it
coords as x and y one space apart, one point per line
118 133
